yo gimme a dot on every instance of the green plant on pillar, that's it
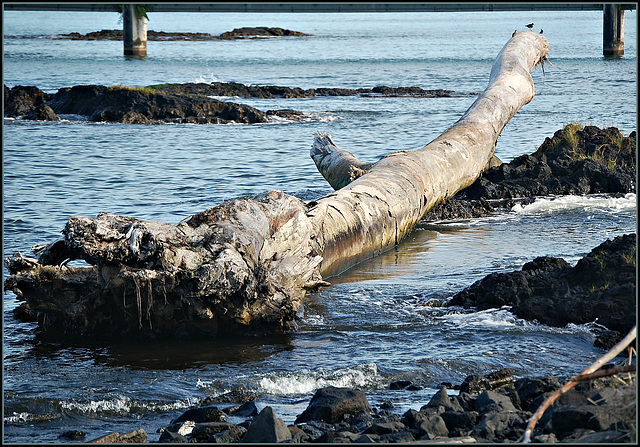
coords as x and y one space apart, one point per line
139 10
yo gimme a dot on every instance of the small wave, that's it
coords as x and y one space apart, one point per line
118 405
306 382
504 320
18 418
315 321
73 118
487 319
593 202
305 117
225 98
121 405
202 80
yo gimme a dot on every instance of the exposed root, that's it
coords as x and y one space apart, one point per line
149 301
139 301
124 301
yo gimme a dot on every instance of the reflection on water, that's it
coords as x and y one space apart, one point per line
172 354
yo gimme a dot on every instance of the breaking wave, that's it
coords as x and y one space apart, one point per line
593 202
306 382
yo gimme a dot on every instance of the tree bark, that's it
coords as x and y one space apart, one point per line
377 210
244 266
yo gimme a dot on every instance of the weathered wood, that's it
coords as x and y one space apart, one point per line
244 266
377 210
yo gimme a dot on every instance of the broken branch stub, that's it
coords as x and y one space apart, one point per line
243 267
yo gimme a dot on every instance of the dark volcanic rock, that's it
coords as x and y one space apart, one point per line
202 414
168 103
21 100
260 31
601 286
267 428
601 410
460 209
576 160
42 113
116 104
274 91
332 404
126 105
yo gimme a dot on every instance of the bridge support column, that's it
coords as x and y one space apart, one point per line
613 31
134 32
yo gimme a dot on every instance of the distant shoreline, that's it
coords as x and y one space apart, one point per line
260 32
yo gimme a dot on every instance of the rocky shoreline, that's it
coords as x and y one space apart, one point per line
491 409
191 103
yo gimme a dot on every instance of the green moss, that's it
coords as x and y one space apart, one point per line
157 87
148 89
570 134
629 258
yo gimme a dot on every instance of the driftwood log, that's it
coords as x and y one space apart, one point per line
244 266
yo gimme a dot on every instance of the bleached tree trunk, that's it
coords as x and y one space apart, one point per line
244 266
377 210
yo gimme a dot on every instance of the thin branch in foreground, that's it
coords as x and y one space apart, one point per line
604 373
611 354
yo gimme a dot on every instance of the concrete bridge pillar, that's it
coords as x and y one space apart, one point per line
134 32
613 31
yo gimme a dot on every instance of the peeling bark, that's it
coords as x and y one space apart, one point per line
375 211
243 267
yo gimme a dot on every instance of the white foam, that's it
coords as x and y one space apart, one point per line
491 318
116 405
208 80
592 202
225 98
124 405
306 117
17 418
306 382
503 319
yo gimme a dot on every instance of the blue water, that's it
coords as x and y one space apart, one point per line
375 324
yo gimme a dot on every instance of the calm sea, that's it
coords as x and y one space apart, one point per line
374 325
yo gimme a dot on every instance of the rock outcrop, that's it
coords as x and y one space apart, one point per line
192 103
577 160
259 32
600 287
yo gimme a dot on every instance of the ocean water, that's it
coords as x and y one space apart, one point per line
377 322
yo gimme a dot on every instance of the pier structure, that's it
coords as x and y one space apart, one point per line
135 26
613 30
134 31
